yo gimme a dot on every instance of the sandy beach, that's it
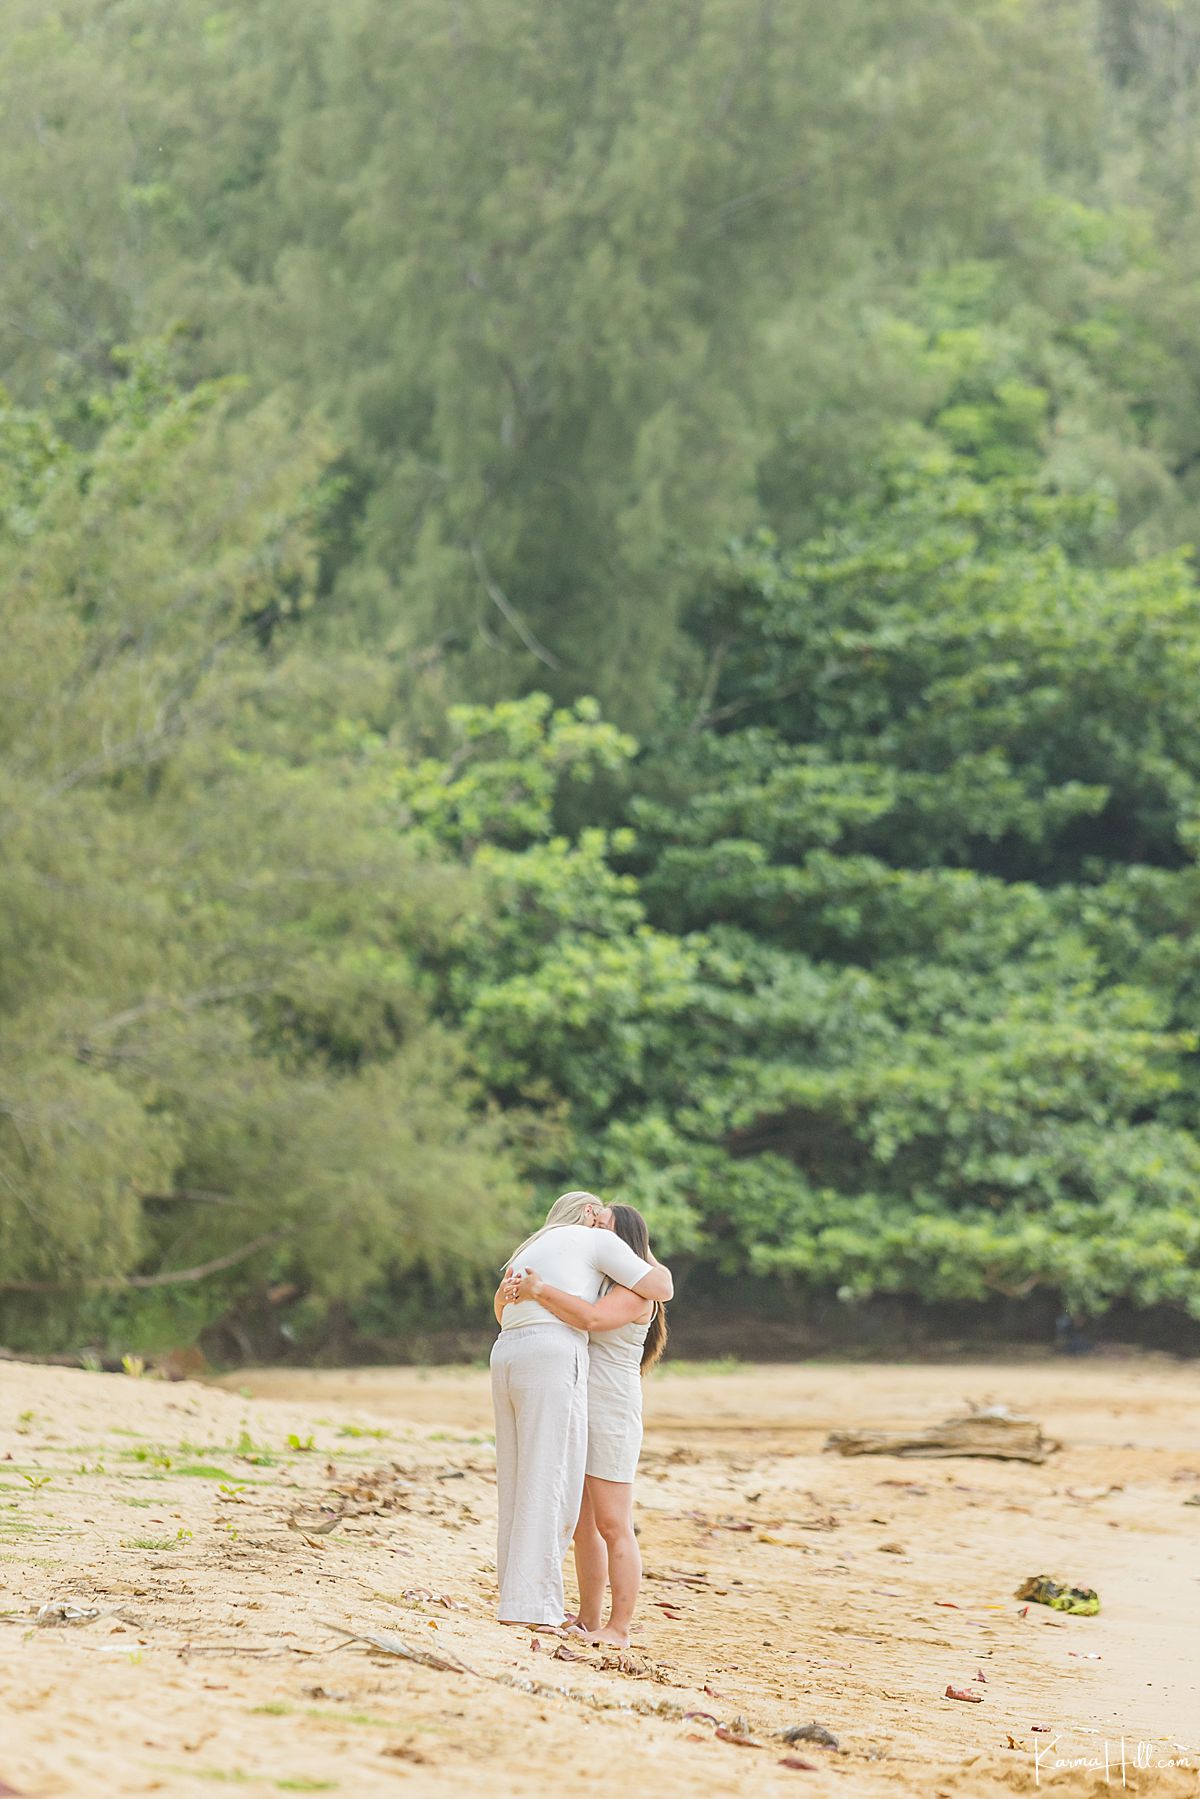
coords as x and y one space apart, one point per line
202 1626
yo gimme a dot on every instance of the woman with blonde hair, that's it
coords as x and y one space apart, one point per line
540 1396
627 1335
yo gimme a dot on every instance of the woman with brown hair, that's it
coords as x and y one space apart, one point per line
539 1370
626 1336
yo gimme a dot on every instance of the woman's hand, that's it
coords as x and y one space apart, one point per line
526 1285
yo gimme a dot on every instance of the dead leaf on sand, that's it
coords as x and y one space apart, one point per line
797 1761
635 1665
677 1577
726 1734
726 1522
964 1693
372 1494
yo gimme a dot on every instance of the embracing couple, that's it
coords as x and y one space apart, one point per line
581 1319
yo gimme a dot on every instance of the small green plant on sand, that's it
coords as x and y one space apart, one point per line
250 1451
147 1452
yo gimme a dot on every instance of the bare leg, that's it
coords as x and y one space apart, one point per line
591 1566
612 1508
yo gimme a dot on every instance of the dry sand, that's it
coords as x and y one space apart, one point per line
786 1585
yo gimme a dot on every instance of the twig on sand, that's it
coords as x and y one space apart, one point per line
597 1702
388 1644
62 1611
326 1526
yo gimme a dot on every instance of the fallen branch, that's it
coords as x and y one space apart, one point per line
983 1431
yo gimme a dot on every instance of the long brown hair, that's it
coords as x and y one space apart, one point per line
630 1226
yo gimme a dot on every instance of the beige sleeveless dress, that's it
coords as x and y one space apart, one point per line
615 1401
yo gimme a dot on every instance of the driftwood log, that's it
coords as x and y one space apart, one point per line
987 1430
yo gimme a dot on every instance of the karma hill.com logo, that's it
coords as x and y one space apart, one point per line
1116 1759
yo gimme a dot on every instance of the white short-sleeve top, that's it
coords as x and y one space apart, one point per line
579 1258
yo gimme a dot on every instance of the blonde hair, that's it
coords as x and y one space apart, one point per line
568 1208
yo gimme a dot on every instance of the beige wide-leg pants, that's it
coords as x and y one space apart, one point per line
539 1392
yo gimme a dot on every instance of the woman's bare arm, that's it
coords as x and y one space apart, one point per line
618 1306
499 1302
657 1284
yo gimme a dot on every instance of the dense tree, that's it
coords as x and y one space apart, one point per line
584 290
215 1045
850 994
626 623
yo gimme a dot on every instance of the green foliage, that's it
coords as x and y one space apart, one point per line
853 1002
584 290
213 1034
806 384
502 779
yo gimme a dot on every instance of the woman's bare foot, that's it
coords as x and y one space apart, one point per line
576 1625
610 1637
